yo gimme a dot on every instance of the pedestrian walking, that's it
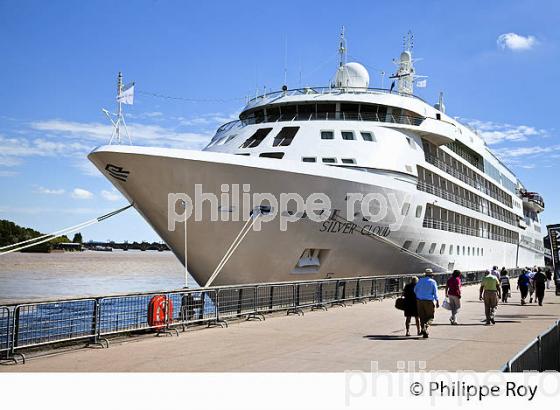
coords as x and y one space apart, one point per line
426 294
548 274
531 274
505 284
453 293
523 285
495 272
490 293
539 281
410 305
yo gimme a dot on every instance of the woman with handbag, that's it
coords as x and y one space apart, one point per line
410 306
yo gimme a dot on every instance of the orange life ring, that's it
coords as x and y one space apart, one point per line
160 309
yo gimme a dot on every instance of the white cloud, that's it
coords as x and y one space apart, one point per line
141 134
72 139
79 193
6 161
12 150
521 146
495 133
48 191
41 210
516 42
111 195
524 152
8 173
149 114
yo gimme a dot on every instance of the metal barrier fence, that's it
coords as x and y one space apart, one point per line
5 330
542 354
31 325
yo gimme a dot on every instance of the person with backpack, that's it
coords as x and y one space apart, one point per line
523 285
505 283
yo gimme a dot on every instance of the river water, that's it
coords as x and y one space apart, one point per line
41 276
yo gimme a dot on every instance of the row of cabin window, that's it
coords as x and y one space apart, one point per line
287 134
476 251
331 160
348 135
284 137
272 113
326 160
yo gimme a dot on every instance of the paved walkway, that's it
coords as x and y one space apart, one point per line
342 338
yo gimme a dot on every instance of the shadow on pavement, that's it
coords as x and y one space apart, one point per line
535 316
390 337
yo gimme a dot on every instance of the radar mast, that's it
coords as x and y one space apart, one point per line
125 95
406 74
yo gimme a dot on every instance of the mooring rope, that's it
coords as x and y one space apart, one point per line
45 238
234 245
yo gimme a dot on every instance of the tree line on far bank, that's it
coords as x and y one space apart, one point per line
10 234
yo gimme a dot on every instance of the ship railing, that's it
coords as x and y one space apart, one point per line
465 230
320 116
465 178
541 355
30 327
266 97
475 206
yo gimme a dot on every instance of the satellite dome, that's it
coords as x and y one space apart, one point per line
351 75
406 57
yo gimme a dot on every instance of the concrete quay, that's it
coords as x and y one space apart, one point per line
342 338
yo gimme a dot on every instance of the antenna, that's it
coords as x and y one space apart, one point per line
408 41
286 61
119 103
342 48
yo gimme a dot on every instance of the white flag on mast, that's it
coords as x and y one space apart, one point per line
127 94
421 84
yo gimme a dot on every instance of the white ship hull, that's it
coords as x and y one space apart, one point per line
271 255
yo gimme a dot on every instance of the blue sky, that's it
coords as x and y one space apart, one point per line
59 60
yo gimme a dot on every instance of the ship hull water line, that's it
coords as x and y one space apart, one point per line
456 205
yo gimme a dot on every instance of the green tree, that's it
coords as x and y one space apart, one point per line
59 239
77 238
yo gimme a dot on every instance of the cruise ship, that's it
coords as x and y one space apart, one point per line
457 205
